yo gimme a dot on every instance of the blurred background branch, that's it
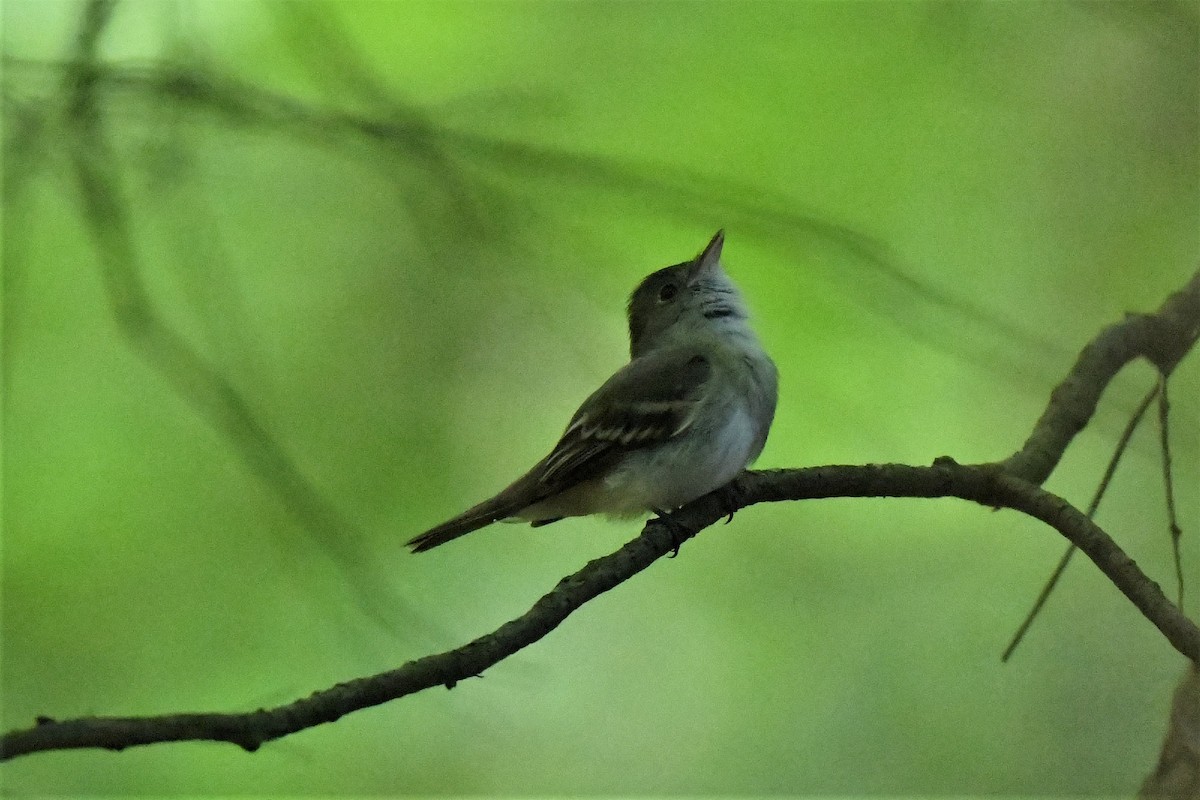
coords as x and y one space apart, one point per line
204 386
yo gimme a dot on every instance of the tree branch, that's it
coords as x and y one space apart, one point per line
1162 338
1177 774
988 486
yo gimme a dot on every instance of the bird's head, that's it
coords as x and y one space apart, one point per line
684 299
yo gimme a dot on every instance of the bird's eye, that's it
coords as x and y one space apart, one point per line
667 293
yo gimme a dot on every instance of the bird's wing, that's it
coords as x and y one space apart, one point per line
648 401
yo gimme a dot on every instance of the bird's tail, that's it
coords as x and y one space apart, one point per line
502 506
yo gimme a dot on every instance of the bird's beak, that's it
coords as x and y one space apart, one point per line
709 260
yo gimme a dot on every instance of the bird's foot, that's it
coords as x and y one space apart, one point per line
679 534
730 497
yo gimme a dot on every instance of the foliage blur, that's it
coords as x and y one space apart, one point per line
337 270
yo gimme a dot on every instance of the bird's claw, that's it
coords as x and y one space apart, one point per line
679 534
730 501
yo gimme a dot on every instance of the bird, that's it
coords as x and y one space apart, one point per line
684 417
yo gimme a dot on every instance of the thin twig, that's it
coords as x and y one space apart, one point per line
110 221
1164 411
1052 582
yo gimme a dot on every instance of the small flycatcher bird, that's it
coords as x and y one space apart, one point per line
688 412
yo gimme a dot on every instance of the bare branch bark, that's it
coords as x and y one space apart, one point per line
987 486
1163 338
1177 774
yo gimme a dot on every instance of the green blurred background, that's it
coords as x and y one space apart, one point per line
401 235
